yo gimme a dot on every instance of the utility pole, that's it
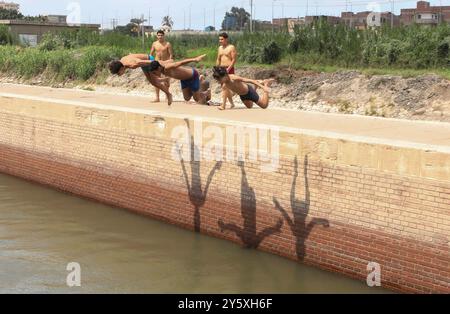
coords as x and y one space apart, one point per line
392 14
204 18
190 15
143 31
273 3
307 8
251 16
149 19
214 16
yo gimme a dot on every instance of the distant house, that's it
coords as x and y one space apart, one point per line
262 26
288 23
9 6
31 32
332 20
365 19
425 14
57 19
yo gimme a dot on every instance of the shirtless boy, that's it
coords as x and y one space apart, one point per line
226 57
162 51
134 61
242 87
191 80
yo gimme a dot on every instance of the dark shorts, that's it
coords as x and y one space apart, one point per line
231 71
251 95
146 69
194 83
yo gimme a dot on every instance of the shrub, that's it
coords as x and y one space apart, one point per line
6 38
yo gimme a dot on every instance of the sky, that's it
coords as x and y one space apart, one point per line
199 13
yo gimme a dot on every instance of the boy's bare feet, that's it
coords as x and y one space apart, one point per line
169 99
207 95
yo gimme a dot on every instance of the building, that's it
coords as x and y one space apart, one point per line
425 14
332 20
229 23
9 6
288 23
30 32
292 23
262 26
365 19
281 23
57 19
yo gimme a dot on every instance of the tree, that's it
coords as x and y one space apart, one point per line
10 14
130 29
167 22
237 19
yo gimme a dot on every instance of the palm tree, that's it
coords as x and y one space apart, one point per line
167 21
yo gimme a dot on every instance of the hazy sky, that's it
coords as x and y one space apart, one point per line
202 11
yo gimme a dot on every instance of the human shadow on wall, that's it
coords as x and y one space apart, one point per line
197 195
248 234
300 210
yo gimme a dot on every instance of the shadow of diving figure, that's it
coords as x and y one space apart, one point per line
300 210
250 238
197 196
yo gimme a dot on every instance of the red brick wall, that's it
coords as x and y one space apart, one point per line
337 217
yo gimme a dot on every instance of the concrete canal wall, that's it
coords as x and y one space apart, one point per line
329 201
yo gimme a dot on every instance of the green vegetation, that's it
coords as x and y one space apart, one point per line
406 51
6 38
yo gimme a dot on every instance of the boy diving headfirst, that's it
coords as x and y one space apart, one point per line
193 84
242 87
134 61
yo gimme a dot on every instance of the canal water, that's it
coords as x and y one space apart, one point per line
42 231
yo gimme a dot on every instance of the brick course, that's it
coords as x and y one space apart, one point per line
338 216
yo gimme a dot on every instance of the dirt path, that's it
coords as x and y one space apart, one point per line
349 92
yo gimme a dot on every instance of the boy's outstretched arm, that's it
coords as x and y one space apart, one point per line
184 62
246 80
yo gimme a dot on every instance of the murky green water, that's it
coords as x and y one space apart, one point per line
42 230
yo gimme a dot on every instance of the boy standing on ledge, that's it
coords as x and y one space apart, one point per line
162 50
226 57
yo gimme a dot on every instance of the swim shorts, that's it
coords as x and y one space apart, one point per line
194 83
251 95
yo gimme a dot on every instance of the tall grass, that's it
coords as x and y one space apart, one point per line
79 55
412 47
60 64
